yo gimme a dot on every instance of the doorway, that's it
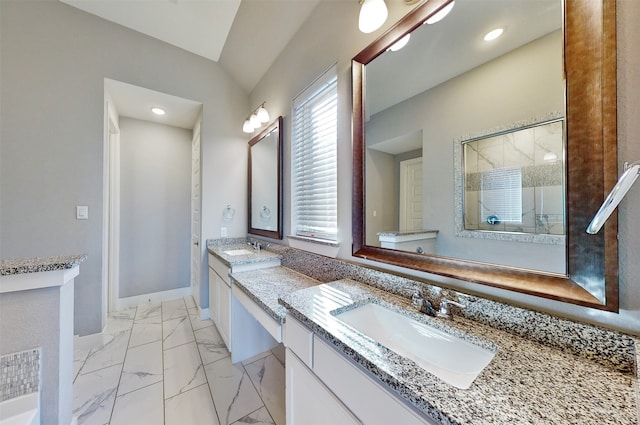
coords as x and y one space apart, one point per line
129 259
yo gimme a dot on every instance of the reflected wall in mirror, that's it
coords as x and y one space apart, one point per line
411 107
265 182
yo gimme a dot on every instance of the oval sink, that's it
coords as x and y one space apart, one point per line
454 360
233 252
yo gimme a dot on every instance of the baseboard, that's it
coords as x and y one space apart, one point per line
204 313
130 302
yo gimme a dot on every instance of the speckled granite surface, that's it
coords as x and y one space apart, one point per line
255 256
265 286
527 381
604 346
39 264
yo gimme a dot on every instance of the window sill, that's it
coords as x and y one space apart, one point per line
317 246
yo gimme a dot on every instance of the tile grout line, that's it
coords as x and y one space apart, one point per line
206 378
115 398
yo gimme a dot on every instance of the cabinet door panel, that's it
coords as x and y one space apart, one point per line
373 404
214 296
309 402
225 313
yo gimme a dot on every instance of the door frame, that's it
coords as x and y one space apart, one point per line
404 189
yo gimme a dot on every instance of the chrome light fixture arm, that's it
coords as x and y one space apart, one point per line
626 180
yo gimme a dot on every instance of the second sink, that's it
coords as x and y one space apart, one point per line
454 360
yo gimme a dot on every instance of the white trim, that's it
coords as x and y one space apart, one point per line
47 279
205 313
171 294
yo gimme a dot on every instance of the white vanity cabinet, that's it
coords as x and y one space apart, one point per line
241 332
317 372
220 298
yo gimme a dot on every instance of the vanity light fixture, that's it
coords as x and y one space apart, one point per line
439 15
626 180
493 34
373 13
158 111
256 119
400 43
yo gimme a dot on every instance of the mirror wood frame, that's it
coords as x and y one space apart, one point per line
275 234
590 91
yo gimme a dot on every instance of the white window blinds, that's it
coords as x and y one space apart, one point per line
501 194
314 159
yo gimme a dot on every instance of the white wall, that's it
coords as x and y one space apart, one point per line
54 61
155 209
331 35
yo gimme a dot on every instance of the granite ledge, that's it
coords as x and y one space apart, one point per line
266 286
40 264
256 256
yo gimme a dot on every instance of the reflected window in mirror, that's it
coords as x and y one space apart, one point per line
265 182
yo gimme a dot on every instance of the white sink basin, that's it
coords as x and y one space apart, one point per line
452 359
233 252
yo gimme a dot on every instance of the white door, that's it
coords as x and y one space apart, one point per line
411 194
196 250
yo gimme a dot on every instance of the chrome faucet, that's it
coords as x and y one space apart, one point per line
255 245
422 304
445 308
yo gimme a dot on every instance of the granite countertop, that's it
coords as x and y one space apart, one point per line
255 256
526 382
39 264
266 286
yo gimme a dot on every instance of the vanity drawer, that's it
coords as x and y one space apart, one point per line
364 396
220 268
299 339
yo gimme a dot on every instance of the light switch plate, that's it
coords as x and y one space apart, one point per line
82 212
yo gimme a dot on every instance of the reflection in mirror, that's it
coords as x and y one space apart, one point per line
509 187
423 97
411 107
265 182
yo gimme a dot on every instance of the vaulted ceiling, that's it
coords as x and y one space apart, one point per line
243 36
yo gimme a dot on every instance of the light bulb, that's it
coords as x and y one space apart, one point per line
400 43
247 127
255 121
157 111
439 16
373 13
263 115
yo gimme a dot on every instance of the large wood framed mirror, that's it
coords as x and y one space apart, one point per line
459 115
265 182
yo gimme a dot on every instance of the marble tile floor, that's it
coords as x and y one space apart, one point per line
160 364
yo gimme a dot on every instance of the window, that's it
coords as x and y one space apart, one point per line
314 159
501 195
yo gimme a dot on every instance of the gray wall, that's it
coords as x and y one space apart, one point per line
331 35
54 61
155 208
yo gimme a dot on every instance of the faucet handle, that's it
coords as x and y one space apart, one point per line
445 308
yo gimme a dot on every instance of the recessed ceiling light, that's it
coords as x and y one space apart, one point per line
492 35
157 111
439 16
